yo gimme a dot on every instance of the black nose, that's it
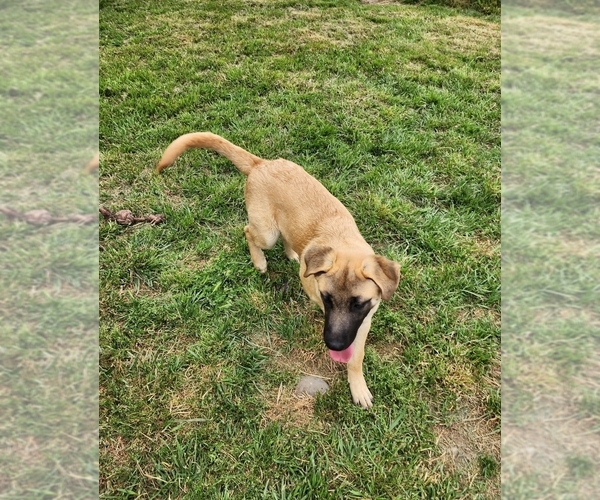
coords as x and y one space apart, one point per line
336 344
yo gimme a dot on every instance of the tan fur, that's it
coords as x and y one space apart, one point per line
282 199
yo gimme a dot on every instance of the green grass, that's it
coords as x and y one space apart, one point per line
551 306
477 6
48 276
396 110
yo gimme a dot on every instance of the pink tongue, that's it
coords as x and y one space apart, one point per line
341 356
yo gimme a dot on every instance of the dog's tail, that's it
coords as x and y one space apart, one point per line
243 160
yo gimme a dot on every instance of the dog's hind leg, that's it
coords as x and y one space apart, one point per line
259 239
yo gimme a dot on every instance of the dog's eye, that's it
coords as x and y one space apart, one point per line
327 299
357 304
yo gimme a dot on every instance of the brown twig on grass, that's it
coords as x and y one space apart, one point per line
126 218
42 217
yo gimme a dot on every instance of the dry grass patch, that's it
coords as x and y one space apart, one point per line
390 351
577 246
312 13
260 300
115 448
288 409
341 33
136 286
555 434
471 435
296 360
145 351
196 385
467 314
118 451
26 449
553 36
283 405
471 438
466 35
459 379
488 247
195 262
463 444
573 313
380 2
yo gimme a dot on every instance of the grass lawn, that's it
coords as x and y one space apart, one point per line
551 247
48 275
396 110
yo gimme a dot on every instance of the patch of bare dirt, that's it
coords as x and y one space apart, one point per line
462 443
472 434
289 409
285 406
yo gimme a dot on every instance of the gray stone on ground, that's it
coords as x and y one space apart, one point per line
311 385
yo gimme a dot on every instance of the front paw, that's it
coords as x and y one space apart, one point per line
261 268
360 393
260 263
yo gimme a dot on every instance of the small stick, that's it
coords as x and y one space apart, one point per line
126 217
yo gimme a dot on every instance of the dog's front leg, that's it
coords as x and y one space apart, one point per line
358 387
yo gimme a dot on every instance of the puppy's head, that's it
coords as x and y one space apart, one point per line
350 285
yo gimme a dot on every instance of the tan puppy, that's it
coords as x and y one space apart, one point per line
338 269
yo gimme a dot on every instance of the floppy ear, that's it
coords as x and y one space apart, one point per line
318 259
384 272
